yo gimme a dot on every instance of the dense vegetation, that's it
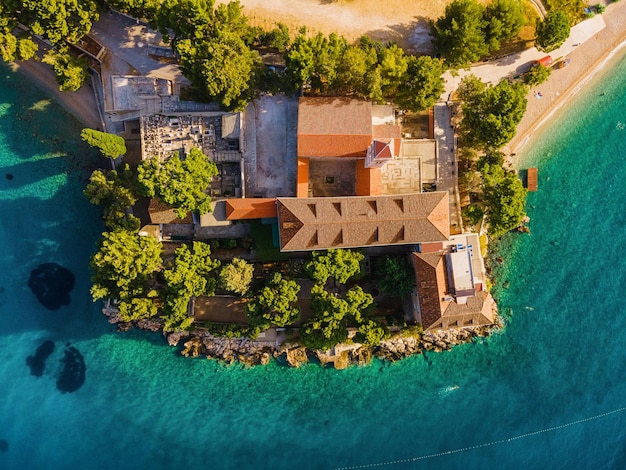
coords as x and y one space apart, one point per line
468 31
552 31
61 22
180 183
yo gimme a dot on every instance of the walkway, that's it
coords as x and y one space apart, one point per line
490 73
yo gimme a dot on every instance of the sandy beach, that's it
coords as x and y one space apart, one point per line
81 104
587 59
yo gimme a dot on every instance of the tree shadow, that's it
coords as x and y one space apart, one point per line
413 36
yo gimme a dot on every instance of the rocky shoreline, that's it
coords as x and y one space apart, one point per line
250 352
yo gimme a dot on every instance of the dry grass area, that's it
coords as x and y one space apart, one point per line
404 21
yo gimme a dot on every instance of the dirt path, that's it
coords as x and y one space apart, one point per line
404 21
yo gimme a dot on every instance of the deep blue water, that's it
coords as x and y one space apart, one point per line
560 360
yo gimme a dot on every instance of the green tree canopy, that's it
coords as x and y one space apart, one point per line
71 72
552 31
370 333
180 183
505 197
193 271
58 20
236 276
123 264
503 21
138 308
340 264
537 74
331 315
110 145
490 114
275 304
459 34
192 274
395 276
116 191
422 84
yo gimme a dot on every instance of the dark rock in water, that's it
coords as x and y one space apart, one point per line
4 445
37 363
73 374
51 284
9 176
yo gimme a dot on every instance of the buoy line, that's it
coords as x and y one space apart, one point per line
486 444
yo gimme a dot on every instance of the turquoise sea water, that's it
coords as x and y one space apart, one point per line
520 399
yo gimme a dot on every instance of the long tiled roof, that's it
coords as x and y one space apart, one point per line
437 307
334 127
358 221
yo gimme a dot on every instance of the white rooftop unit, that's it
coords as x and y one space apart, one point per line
461 278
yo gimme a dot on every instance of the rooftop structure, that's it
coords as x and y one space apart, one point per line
250 208
450 285
348 222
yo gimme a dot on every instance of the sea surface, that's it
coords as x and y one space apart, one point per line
549 391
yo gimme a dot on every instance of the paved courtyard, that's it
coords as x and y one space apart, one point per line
270 146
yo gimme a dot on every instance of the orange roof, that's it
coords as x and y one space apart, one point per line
302 189
334 127
250 208
337 145
369 181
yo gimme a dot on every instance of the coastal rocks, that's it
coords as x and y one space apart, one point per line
73 374
296 356
229 350
37 363
51 283
397 347
150 325
175 337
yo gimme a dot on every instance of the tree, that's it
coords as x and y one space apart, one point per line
503 21
392 67
395 276
110 145
370 333
331 314
504 197
459 34
422 84
340 264
353 69
137 308
275 303
59 20
115 191
222 69
490 116
237 276
71 72
552 31
192 273
537 75
123 264
180 183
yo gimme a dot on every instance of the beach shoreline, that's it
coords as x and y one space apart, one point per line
81 104
563 84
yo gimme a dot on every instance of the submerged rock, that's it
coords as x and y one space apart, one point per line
51 283
4 445
37 363
73 374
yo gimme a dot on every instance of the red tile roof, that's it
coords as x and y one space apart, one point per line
250 208
357 221
334 127
369 181
438 309
302 189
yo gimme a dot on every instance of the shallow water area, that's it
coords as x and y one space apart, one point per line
519 399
